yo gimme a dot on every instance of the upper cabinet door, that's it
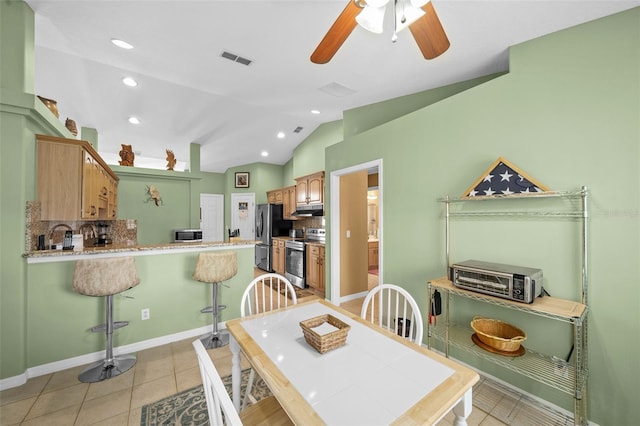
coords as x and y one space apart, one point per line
73 182
315 190
310 189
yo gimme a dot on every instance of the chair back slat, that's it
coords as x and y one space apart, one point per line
266 293
218 400
393 308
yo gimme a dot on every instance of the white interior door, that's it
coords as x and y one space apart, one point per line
243 214
212 217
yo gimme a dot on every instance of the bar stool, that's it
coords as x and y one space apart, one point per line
106 277
213 268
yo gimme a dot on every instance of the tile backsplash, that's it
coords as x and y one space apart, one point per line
122 231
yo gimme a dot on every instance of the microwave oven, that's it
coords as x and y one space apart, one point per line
187 235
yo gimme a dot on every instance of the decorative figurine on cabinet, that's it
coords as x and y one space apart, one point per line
127 156
71 126
171 160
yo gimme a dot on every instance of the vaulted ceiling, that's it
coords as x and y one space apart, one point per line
187 92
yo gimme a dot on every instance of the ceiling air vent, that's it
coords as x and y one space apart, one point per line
336 89
236 58
297 129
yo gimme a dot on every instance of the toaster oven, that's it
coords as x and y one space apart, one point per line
506 281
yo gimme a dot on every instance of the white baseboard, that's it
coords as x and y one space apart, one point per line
353 296
65 364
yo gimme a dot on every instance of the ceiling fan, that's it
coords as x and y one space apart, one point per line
418 15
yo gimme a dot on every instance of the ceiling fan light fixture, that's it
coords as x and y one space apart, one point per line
371 19
406 15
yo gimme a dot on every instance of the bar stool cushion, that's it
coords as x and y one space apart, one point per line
215 267
104 277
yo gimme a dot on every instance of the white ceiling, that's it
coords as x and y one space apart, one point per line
188 93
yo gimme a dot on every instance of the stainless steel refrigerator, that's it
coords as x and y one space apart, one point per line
269 224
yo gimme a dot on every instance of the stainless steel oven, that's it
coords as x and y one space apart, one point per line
295 256
295 264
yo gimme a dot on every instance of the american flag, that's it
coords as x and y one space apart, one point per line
503 178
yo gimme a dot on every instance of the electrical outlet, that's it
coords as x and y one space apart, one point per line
145 314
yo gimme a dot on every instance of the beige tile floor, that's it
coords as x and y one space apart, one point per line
60 399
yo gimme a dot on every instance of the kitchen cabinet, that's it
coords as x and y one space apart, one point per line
315 266
286 197
568 376
289 202
310 189
279 255
274 196
373 254
73 182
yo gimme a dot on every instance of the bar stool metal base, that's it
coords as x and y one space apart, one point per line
215 339
105 369
211 341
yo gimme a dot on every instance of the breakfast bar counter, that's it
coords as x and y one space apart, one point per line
60 319
115 250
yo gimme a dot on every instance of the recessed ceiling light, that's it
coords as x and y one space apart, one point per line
129 82
315 111
264 153
280 135
122 44
134 120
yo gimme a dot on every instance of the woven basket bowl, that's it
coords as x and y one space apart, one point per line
329 341
498 334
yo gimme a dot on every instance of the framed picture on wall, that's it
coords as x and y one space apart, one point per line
242 179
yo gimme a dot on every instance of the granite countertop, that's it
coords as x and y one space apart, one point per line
308 242
123 248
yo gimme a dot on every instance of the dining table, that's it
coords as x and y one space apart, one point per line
375 378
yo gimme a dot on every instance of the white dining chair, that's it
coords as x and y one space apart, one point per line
265 293
393 308
267 411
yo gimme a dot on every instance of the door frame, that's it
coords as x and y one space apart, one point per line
251 197
335 225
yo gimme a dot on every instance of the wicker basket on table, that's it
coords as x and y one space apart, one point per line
325 342
498 334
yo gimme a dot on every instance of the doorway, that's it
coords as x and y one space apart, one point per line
243 215
212 217
336 230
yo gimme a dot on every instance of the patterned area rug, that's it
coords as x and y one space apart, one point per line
190 407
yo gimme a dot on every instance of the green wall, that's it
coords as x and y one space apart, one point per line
359 120
309 156
568 114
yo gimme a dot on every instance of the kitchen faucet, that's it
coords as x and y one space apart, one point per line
55 227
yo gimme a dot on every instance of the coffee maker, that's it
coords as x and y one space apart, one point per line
103 233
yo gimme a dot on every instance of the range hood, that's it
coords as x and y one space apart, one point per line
310 210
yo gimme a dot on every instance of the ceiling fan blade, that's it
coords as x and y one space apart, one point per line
429 34
337 34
